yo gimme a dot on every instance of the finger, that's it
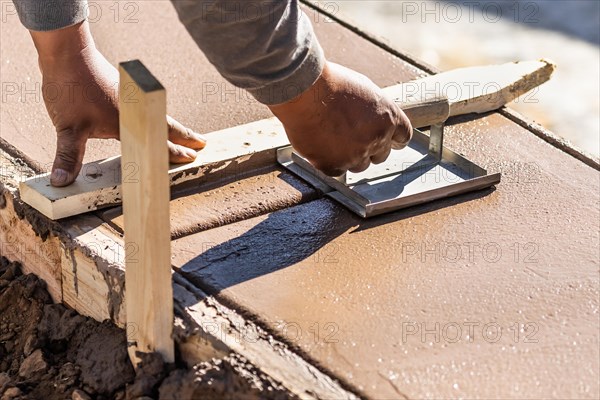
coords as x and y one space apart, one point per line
362 166
181 135
70 148
401 138
403 132
382 155
179 154
329 170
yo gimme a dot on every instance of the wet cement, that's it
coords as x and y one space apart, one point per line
492 294
241 196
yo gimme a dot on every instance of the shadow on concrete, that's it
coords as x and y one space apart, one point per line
284 238
288 237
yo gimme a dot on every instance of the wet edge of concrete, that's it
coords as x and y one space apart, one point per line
201 205
233 331
20 157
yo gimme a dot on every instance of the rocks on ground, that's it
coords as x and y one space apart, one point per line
48 351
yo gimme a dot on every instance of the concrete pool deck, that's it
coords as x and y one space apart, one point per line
492 294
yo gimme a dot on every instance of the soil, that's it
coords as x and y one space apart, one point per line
49 352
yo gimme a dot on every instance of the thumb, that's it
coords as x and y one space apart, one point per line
70 148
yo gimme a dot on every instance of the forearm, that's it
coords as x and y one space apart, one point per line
62 44
266 47
57 27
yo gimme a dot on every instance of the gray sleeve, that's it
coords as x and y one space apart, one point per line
267 47
48 15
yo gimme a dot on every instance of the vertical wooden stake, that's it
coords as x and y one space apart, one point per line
144 167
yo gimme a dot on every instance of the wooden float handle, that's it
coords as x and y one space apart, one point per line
426 112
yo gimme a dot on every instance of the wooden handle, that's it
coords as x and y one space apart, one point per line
471 90
425 112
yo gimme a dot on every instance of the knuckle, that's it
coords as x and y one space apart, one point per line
361 167
67 156
177 151
171 129
331 170
174 151
402 136
70 147
172 126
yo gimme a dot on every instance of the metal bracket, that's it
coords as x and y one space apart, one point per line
436 147
436 141
423 171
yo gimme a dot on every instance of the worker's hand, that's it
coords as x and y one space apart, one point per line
344 122
80 90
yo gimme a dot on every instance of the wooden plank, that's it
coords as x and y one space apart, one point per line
99 183
474 89
36 250
477 89
93 271
84 286
19 242
149 294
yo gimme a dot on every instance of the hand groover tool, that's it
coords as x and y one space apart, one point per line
422 172
426 170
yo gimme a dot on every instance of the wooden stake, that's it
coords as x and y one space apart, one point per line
145 185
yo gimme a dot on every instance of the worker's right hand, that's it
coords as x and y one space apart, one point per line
343 122
80 90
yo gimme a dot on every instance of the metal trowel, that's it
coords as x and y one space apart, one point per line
426 170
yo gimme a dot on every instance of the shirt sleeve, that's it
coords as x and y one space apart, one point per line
266 47
48 15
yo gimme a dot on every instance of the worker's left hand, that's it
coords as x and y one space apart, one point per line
80 93
344 122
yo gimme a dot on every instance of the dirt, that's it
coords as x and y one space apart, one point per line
49 352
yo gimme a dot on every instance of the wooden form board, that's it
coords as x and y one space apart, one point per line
19 242
99 183
149 294
469 90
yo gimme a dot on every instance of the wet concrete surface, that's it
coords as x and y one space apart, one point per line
491 295
356 296
199 208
